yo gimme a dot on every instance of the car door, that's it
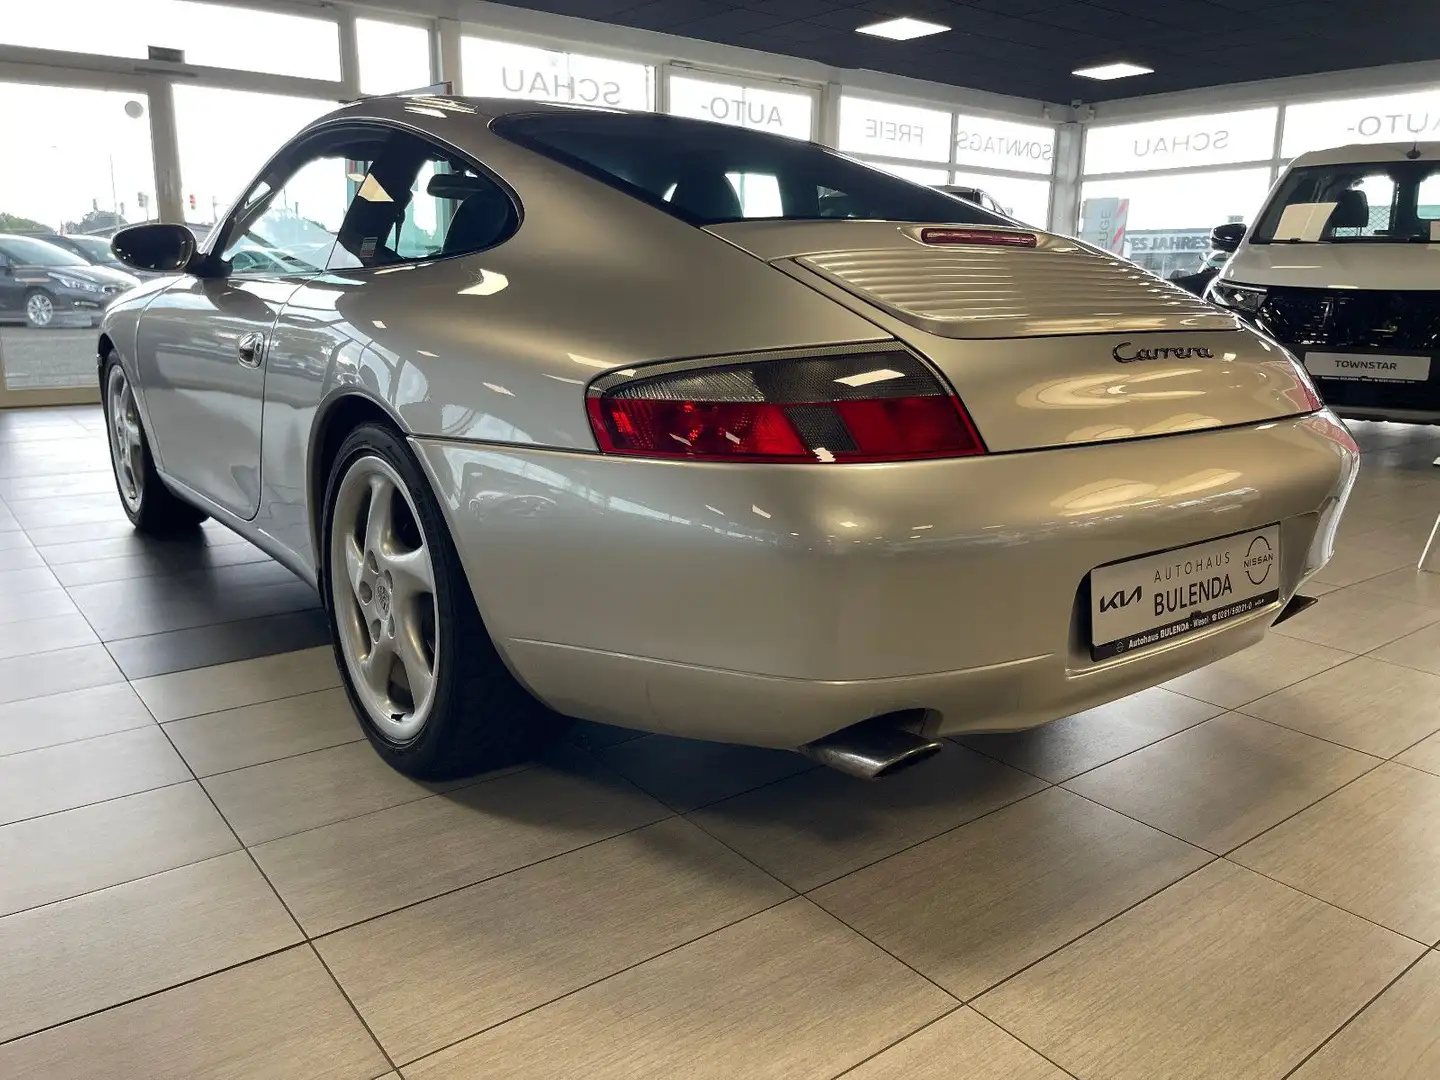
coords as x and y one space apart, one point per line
12 293
203 343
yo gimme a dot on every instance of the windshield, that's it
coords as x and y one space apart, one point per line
708 173
1371 202
31 252
95 248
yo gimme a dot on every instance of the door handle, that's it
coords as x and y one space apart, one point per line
250 350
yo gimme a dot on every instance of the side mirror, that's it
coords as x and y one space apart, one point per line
157 247
1227 237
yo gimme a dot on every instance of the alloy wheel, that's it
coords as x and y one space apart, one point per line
40 310
126 445
382 583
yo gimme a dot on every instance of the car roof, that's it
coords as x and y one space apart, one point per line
1364 153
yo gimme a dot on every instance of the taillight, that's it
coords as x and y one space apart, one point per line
983 237
860 406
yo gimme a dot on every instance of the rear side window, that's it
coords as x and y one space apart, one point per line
711 173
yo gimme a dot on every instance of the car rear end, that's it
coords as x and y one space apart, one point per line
1049 481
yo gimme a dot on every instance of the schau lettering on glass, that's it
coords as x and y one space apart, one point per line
1320 125
1001 144
1216 139
502 69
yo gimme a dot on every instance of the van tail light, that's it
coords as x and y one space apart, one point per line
880 405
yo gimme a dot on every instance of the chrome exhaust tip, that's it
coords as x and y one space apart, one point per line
871 749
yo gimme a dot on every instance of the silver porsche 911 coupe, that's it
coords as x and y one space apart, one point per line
694 429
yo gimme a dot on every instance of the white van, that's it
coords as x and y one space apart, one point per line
1342 267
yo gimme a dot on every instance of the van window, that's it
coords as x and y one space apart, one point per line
1375 202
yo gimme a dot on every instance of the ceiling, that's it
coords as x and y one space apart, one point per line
1029 47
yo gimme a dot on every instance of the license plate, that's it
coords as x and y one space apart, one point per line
1368 367
1155 598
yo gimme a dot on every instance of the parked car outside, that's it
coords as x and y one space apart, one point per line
51 286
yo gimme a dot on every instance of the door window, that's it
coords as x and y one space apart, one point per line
289 227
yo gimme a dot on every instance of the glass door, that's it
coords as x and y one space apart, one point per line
78 165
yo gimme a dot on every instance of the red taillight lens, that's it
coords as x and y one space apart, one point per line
876 406
983 237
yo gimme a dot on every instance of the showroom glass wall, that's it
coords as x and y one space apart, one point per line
1153 189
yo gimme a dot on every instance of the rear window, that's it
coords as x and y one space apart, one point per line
709 173
1375 202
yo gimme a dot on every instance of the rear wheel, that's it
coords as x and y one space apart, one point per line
432 694
149 504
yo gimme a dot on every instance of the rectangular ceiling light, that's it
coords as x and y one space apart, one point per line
1113 71
903 29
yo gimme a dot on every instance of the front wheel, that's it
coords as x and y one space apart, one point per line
39 310
150 505
432 694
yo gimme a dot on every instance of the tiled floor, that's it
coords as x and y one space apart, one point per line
205 873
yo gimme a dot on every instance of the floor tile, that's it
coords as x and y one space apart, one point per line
789 993
1408 584
1367 704
37 605
247 682
73 510
44 635
254 734
357 869
1357 621
79 773
55 672
1224 781
982 902
280 1018
686 773
93 847
591 736
223 643
1361 562
1068 747
1423 755
1372 848
1420 650
1395 1037
67 717
430 975
811 828
278 798
15 583
1225 974
137 938
1277 662
152 563
960 1046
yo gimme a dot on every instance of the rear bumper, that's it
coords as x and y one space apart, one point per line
775 604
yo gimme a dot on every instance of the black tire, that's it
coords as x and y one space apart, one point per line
30 319
157 511
481 718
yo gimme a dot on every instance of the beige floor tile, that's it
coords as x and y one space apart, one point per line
1317 588
1423 755
97 950
1393 1039
93 847
1420 650
23 677
1275 663
357 869
78 714
280 1018
278 798
790 994
1225 975
78 773
812 828
438 972
1078 743
686 773
1224 781
983 901
1357 621
1372 848
1408 584
254 734
44 635
45 604
961 1046
1359 562
1367 704
245 682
